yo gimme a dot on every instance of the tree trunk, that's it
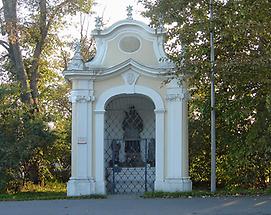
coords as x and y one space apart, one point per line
44 27
10 15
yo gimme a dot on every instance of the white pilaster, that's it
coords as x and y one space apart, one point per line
177 176
81 181
99 152
159 149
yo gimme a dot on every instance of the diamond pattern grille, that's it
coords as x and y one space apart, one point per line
129 144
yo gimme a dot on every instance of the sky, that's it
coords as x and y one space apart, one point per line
114 10
111 11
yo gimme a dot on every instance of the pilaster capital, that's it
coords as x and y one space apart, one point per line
180 96
81 96
177 91
175 97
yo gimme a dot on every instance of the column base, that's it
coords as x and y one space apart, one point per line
174 185
100 188
80 187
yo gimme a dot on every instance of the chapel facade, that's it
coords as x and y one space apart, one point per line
129 128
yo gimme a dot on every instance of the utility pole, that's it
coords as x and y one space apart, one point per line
213 129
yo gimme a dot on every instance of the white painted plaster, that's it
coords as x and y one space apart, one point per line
94 83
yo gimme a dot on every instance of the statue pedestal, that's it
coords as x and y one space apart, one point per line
133 152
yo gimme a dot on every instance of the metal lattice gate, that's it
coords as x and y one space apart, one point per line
129 144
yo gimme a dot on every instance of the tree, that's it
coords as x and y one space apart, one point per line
44 17
34 111
243 76
21 135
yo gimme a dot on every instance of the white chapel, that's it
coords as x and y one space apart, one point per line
129 126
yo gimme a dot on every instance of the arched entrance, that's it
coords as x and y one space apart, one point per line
102 101
129 144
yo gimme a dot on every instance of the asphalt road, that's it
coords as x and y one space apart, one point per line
131 205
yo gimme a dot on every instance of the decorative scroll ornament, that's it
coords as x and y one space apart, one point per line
98 23
130 77
129 12
160 26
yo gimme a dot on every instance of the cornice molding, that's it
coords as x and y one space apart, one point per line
134 65
127 22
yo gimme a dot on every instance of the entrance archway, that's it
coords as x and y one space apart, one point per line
101 104
129 144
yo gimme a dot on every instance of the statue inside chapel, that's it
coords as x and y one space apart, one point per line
132 126
115 146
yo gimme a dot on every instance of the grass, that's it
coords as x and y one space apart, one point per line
58 191
51 191
205 193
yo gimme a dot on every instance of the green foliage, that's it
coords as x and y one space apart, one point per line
50 191
21 136
30 196
243 77
33 146
35 139
204 193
